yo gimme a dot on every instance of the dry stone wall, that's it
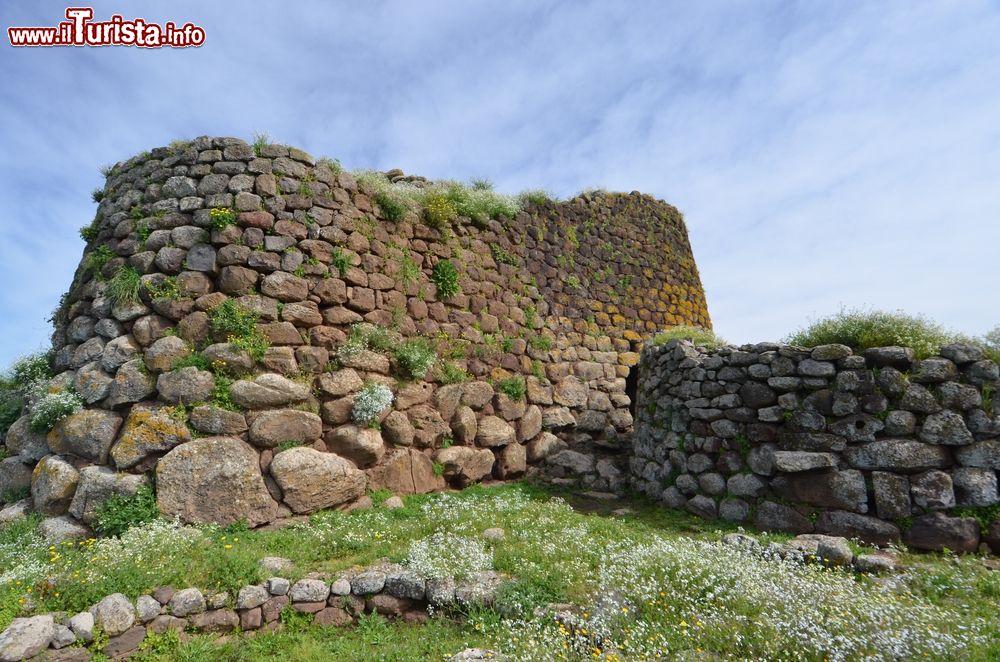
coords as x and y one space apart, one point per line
879 446
236 423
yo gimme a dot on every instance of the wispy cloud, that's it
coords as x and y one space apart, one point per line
823 153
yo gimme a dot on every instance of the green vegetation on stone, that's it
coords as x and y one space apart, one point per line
238 325
444 275
513 387
123 288
696 334
123 511
862 329
416 357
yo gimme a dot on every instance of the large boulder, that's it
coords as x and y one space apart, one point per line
464 465
405 471
311 480
898 455
268 391
89 433
114 614
270 428
214 479
97 485
15 476
22 440
53 484
936 531
26 637
494 431
217 421
852 525
363 446
428 426
148 430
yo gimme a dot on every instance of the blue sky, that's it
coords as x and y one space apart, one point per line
824 153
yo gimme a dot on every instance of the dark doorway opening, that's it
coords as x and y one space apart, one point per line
632 388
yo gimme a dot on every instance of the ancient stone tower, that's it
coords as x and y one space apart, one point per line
265 334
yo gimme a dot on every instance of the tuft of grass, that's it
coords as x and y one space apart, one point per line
340 261
696 334
513 387
99 257
450 373
260 141
393 207
123 288
535 197
444 275
861 329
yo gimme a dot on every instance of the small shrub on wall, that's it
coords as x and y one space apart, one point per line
695 334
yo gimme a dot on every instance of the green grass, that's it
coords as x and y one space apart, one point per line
444 275
695 334
123 288
862 329
683 590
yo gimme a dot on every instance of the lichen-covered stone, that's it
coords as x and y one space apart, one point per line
213 479
146 431
311 480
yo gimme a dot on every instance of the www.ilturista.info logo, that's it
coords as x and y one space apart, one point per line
80 30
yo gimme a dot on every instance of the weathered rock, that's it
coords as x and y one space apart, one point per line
570 391
250 597
124 643
58 529
932 490
794 461
267 391
216 620
493 431
53 483
165 352
216 421
273 427
702 506
228 358
114 614
147 608
975 487
892 495
464 465
542 446
132 383
30 445
363 446
834 550
573 461
148 431
934 370
213 479
900 358
428 426
185 385
898 455
835 489
405 471
852 525
464 425
186 602
97 485
88 433
397 429
936 531
15 511
340 383
947 428
311 480
773 516
511 462
25 638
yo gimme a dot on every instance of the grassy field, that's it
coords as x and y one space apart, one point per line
650 584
